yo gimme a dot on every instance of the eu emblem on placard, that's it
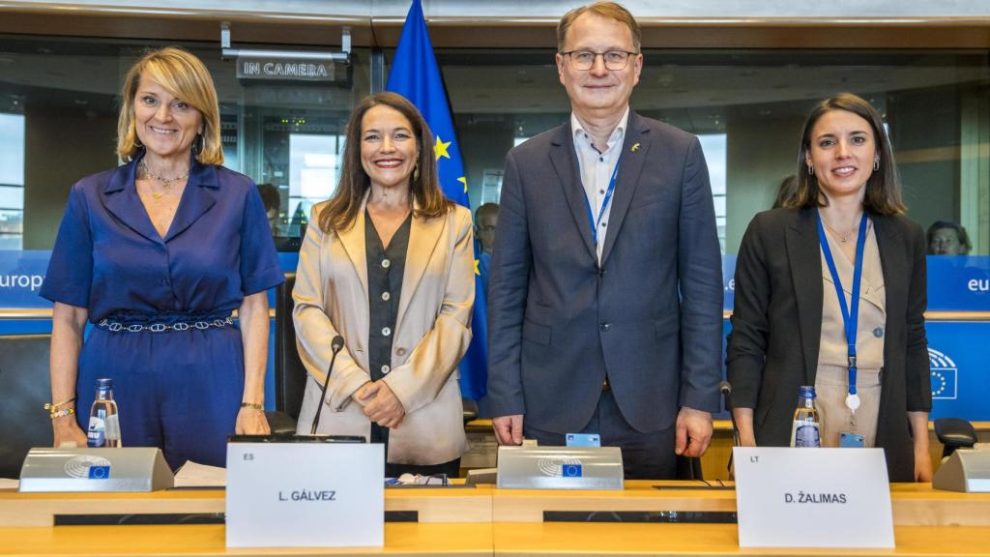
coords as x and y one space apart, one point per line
571 470
99 472
944 375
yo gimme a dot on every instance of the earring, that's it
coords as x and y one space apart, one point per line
876 163
198 144
811 170
415 174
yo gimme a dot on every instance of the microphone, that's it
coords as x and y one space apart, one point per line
726 389
335 346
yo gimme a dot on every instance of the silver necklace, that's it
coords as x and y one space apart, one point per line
843 238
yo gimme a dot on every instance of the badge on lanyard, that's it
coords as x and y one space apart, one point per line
850 318
849 440
583 440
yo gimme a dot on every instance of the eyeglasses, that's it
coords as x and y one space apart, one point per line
583 60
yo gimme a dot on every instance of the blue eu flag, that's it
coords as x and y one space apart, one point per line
416 76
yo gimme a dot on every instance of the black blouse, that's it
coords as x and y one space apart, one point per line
385 269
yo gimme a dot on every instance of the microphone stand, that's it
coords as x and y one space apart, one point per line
726 389
335 346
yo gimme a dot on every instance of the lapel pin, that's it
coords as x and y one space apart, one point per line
635 147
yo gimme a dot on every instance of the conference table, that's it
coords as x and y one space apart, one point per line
480 520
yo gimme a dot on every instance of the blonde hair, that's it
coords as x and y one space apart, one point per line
608 10
185 77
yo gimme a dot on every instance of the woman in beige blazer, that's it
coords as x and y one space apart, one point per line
388 264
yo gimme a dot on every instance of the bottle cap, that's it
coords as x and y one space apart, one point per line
104 383
807 391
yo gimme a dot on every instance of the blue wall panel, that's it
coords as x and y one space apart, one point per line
957 349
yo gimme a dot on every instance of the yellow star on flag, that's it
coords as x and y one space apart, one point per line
477 269
440 149
463 180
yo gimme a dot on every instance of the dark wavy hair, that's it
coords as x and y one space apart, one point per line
342 209
883 190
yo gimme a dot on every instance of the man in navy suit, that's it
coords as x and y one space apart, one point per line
605 307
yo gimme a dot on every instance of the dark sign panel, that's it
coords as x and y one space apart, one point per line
286 69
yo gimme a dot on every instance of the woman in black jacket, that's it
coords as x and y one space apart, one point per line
866 355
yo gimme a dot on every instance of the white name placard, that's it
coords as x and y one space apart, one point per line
812 497
305 495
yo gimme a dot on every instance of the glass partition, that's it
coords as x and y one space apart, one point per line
748 107
58 111
58 114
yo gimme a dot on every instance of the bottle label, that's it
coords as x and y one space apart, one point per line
807 435
113 428
96 434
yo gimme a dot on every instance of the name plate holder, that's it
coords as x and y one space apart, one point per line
559 468
47 469
305 493
807 497
966 470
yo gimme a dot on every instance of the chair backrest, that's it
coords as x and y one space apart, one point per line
24 388
290 375
954 433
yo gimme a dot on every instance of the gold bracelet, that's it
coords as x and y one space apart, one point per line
253 406
53 406
55 414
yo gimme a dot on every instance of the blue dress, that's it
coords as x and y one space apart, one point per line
179 388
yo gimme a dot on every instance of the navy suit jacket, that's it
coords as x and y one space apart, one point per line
650 316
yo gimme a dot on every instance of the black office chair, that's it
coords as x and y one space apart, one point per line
954 433
26 387
290 375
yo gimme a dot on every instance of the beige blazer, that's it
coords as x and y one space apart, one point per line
432 333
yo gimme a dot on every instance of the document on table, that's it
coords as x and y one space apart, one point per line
193 474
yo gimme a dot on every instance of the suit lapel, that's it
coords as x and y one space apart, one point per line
197 199
804 255
423 237
353 242
121 199
565 164
630 167
894 265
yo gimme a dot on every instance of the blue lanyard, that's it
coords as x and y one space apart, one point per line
601 212
849 319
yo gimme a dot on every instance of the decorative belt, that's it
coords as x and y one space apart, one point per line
202 325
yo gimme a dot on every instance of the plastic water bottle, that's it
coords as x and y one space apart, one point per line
806 431
104 425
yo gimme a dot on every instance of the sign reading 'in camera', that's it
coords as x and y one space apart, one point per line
283 69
